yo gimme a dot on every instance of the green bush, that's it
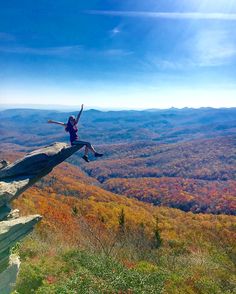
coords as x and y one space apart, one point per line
30 279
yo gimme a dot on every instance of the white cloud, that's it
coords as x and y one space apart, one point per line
168 15
207 48
115 31
66 51
213 47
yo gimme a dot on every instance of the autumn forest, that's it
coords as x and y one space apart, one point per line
155 214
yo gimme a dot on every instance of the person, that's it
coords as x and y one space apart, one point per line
72 128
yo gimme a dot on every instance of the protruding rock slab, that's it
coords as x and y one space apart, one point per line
12 231
8 277
3 163
16 177
4 211
10 189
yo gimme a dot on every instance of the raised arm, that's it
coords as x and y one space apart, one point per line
56 122
81 110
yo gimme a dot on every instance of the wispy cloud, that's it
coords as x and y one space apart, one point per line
168 15
65 51
152 62
49 51
213 47
208 48
115 52
115 31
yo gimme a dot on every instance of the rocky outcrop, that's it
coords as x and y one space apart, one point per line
3 163
8 277
15 178
12 231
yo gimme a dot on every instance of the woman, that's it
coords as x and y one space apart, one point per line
71 127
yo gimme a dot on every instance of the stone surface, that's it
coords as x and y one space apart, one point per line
15 178
8 277
12 231
3 163
4 211
10 189
13 214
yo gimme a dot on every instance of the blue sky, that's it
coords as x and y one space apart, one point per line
118 54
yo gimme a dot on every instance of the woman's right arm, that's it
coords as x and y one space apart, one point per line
56 122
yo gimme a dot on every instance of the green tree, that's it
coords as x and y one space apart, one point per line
75 210
121 220
157 235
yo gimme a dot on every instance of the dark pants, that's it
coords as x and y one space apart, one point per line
87 145
83 143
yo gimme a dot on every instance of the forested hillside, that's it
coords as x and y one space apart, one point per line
146 144
155 214
29 127
88 234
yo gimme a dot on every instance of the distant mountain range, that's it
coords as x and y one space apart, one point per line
29 126
192 150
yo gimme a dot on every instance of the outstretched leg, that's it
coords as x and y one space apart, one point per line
88 146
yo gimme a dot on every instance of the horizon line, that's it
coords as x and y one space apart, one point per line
61 107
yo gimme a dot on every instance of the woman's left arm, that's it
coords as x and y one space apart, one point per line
81 110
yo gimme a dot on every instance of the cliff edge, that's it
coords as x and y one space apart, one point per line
15 178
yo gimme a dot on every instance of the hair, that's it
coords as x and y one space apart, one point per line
69 125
